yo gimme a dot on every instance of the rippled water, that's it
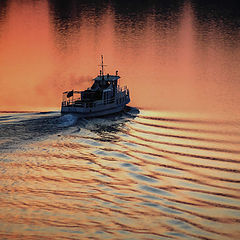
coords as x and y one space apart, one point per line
170 170
135 175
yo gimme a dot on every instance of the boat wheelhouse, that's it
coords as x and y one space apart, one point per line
104 97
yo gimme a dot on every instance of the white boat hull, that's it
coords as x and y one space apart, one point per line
94 112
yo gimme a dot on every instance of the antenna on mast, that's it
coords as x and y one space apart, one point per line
102 65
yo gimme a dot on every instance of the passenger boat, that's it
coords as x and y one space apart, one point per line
104 97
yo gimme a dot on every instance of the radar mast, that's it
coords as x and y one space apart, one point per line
102 65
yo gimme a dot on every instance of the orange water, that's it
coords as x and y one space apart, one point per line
168 171
170 56
130 176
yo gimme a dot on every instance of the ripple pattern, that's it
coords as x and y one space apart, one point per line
129 176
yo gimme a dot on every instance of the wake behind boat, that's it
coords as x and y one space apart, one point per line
104 97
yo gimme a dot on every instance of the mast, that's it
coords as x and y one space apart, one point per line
102 65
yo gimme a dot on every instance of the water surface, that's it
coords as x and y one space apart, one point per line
146 175
167 170
173 55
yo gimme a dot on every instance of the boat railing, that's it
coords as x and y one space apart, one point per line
70 97
77 102
74 102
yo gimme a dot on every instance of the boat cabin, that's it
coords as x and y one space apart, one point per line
104 91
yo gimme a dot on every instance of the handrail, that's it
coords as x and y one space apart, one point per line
72 101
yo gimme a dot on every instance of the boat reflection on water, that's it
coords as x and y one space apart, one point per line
107 127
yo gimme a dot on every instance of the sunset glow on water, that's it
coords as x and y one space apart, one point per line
170 62
167 167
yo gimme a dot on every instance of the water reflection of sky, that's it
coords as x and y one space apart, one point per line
180 55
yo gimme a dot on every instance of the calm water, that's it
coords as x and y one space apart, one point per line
168 167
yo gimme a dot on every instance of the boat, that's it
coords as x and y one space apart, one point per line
104 97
